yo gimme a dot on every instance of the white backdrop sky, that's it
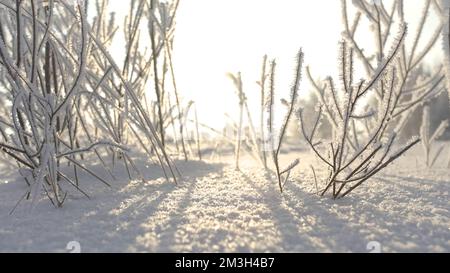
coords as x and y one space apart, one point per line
214 37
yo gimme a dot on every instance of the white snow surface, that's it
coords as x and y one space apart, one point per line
219 209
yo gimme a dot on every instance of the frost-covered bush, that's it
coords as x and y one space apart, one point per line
362 143
133 104
64 95
43 53
367 116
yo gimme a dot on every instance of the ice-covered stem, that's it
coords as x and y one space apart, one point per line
429 138
237 80
197 132
292 104
445 9
165 25
424 133
243 106
237 151
177 97
448 163
381 167
254 138
159 95
91 147
270 101
293 99
272 141
262 84
19 33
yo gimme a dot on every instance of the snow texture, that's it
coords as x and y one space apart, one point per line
219 209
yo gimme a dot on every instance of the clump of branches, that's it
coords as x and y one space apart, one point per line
429 138
43 86
383 21
367 116
262 144
120 105
244 111
133 115
68 96
362 142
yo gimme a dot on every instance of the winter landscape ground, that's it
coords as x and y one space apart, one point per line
218 209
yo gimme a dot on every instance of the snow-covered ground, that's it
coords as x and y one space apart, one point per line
218 209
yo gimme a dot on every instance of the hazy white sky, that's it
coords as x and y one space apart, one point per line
214 37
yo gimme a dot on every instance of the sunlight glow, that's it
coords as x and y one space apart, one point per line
216 37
